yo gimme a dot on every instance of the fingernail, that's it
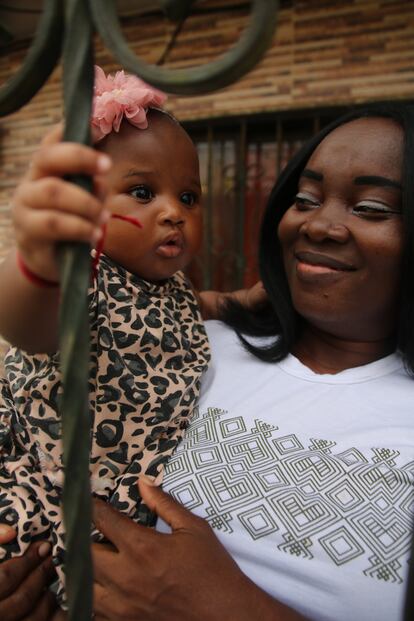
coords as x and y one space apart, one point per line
105 216
44 549
96 236
104 163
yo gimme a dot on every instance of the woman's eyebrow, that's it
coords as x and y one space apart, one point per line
312 174
378 181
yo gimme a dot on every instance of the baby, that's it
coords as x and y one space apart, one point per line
149 347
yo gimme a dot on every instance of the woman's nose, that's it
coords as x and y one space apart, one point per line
323 224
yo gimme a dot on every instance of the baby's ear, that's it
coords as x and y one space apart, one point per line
54 135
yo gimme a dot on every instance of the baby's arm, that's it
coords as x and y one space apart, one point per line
47 210
212 302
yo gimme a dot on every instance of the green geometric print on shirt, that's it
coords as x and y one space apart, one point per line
351 505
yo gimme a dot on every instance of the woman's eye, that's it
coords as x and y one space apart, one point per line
188 198
374 209
141 192
303 202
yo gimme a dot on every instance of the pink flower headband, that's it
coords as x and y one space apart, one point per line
119 96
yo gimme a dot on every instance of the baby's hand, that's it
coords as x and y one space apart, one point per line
48 210
212 302
253 298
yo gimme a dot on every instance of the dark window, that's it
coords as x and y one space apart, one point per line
240 159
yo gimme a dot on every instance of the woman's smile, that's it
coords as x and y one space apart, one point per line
312 265
342 261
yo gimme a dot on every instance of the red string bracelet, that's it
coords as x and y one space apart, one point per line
34 278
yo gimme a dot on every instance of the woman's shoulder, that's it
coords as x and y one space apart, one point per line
224 341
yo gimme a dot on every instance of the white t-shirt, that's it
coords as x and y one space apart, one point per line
306 479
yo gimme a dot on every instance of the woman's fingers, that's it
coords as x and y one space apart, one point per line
61 616
7 533
14 571
102 604
118 528
23 582
172 512
67 158
44 609
104 557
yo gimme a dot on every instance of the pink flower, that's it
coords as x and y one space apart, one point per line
118 96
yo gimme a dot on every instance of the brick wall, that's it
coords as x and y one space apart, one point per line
324 53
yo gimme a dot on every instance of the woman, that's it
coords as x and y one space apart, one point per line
303 467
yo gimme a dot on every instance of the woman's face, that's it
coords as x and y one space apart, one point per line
342 238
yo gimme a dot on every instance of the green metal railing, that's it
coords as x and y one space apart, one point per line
66 29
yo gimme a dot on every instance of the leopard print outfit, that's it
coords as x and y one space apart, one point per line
149 351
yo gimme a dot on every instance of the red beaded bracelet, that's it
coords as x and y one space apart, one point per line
32 277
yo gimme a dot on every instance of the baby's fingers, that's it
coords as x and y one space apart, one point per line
52 193
53 136
50 226
67 158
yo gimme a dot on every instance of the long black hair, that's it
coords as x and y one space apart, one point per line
279 319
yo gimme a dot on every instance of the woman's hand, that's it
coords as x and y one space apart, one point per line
183 576
24 582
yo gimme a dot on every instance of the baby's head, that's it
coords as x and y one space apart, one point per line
154 179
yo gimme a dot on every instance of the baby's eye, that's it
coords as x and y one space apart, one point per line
305 201
188 198
141 193
372 209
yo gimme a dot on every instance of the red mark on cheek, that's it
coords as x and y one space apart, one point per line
100 244
130 219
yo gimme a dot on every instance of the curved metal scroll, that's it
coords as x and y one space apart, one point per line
40 61
217 74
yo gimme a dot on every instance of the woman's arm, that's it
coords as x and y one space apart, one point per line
183 576
24 582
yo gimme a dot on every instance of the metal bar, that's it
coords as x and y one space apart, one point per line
208 222
279 140
75 267
39 63
240 202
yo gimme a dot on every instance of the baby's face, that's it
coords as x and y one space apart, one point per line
155 179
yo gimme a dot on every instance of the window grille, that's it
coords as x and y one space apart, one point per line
240 159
